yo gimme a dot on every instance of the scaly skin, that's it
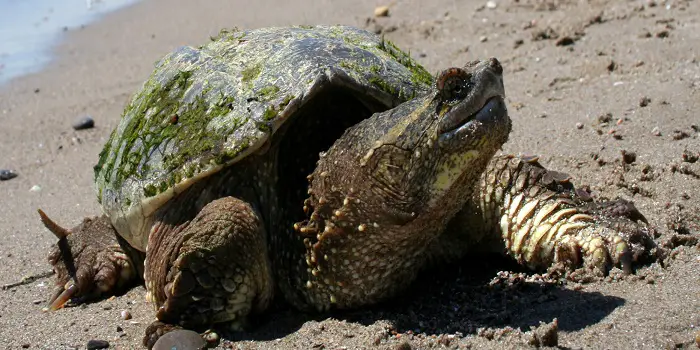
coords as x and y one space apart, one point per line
541 219
211 269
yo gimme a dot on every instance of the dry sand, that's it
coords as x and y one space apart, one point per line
566 62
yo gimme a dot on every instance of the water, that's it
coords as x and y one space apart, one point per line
30 28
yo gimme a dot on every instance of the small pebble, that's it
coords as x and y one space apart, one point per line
644 101
211 337
180 340
605 118
690 157
6 174
405 345
546 334
35 188
565 41
381 11
37 301
628 157
579 125
491 5
679 135
126 315
97 344
84 123
483 38
655 131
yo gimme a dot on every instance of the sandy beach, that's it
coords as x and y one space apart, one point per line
585 81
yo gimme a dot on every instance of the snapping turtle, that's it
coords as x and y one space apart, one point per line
321 166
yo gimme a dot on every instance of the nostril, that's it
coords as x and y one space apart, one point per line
496 65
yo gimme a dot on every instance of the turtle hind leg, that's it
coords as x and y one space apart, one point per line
90 261
212 269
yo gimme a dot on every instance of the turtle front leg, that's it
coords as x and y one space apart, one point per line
90 261
212 269
544 220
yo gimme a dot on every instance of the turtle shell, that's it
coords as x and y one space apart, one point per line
206 108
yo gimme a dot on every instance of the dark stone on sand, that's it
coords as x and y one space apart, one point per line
628 157
84 123
565 41
6 174
97 344
180 340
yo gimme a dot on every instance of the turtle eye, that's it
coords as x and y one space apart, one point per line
453 84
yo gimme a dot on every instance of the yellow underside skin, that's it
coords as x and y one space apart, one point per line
450 171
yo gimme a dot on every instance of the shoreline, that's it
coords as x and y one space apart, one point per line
34 29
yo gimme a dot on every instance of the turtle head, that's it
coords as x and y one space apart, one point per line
471 124
421 158
435 147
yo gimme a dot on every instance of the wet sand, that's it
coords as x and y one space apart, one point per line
567 66
30 29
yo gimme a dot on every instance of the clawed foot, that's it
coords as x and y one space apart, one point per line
204 290
544 220
88 261
610 234
621 237
214 269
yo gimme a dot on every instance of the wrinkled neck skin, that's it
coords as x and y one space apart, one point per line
378 197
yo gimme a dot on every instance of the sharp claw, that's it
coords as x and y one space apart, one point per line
60 300
626 263
621 255
624 257
52 226
57 291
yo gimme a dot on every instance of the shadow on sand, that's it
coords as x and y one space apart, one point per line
461 298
